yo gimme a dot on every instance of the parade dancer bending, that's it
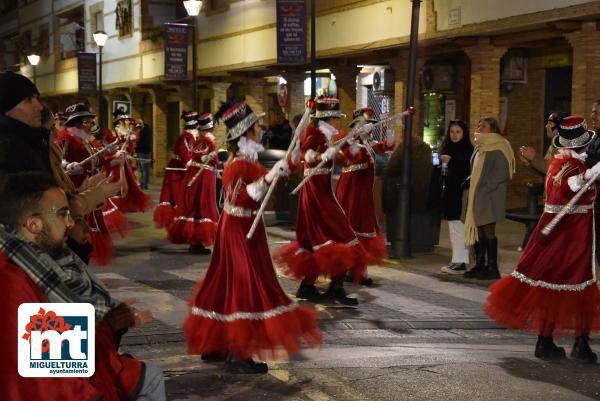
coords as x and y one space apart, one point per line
356 186
197 214
78 144
553 288
239 309
118 165
171 193
325 242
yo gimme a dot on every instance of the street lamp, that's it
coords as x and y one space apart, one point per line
34 59
193 9
100 37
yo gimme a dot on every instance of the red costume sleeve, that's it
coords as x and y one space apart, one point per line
246 171
185 143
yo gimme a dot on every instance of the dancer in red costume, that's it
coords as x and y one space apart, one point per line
553 288
78 143
239 309
117 164
171 193
197 214
355 187
325 242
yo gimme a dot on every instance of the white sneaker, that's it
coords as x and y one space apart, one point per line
454 268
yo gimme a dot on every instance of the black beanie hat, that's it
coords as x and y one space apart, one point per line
13 89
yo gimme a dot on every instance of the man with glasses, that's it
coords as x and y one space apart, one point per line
36 266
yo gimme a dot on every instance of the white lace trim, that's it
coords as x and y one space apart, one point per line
556 287
244 315
164 204
329 242
327 129
249 149
193 220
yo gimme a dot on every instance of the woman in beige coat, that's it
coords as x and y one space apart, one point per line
492 164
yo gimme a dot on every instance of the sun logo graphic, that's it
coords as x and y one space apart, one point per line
56 340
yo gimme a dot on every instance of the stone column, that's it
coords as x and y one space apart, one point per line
586 68
187 97
345 79
296 102
160 149
137 105
255 95
400 67
485 81
219 95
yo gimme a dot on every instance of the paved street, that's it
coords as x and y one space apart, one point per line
415 336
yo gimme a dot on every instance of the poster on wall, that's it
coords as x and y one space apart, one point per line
122 106
291 31
124 18
86 73
176 51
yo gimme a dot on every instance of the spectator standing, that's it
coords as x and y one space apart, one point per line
492 164
144 153
279 135
528 155
593 157
456 153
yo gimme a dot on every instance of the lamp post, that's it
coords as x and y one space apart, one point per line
34 59
401 247
100 38
193 9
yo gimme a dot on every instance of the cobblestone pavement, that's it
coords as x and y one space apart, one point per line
415 336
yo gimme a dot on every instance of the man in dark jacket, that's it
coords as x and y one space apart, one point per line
143 152
23 144
593 157
279 134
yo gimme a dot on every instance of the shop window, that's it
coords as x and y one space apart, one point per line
71 33
217 6
124 18
9 55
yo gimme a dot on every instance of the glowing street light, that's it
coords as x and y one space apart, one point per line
100 37
34 59
193 9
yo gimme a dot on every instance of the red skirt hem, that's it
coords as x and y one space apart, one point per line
163 216
244 338
116 222
517 305
193 233
135 201
104 249
375 249
332 260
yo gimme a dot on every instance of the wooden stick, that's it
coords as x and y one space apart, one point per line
301 126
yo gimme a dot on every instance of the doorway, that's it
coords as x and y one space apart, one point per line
557 93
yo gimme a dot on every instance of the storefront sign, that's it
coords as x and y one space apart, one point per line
291 31
176 51
86 73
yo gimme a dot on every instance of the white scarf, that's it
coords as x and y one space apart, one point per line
249 149
327 129
562 153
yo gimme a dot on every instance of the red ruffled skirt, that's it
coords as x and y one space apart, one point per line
239 308
375 248
185 230
333 260
115 220
517 305
135 200
100 239
163 215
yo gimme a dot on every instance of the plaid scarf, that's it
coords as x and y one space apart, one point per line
63 280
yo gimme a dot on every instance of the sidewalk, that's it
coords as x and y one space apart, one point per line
510 235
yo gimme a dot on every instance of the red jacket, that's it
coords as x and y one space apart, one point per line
115 378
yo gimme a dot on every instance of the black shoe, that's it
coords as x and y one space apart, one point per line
199 250
363 281
248 366
490 271
213 357
337 293
582 351
310 293
546 349
480 248
454 268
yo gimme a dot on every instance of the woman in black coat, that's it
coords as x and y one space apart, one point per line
456 153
